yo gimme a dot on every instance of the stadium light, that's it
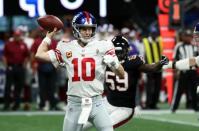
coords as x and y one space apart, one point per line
71 5
103 8
41 8
31 8
1 8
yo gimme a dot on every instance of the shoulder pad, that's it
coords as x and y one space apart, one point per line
136 57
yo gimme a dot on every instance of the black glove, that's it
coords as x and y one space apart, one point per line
164 60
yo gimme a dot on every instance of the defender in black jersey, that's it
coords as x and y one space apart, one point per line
121 92
120 95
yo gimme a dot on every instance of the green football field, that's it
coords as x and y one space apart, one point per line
144 121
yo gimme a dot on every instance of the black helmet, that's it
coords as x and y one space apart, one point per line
121 47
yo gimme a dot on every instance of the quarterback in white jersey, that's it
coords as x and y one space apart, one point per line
85 67
85 60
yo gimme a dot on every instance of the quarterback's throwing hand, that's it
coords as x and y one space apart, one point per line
111 61
164 60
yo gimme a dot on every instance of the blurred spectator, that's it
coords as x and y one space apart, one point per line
65 35
134 41
105 32
26 35
33 79
133 49
28 40
2 67
15 59
125 32
46 76
2 42
67 20
153 53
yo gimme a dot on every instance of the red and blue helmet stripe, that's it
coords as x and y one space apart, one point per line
83 19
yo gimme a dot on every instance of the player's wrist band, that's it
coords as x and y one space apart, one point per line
116 63
47 40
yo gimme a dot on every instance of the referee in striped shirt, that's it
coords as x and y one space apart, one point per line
187 80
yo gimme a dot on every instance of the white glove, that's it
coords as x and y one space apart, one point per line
168 66
111 61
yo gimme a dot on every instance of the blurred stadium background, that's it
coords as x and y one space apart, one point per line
135 19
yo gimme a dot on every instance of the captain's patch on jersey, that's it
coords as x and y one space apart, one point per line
69 54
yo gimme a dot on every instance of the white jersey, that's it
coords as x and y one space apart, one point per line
85 67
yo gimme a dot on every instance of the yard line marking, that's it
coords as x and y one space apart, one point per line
32 113
162 112
137 112
168 121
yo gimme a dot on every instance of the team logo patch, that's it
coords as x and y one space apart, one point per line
69 54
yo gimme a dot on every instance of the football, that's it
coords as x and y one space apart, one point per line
49 22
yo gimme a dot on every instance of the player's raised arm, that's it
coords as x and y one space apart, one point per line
184 64
154 67
42 51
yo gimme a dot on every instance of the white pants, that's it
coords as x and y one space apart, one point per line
98 116
119 115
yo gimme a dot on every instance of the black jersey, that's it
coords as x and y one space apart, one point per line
121 92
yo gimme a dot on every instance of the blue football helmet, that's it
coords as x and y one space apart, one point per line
84 19
196 35
121 47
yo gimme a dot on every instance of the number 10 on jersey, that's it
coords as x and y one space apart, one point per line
84 69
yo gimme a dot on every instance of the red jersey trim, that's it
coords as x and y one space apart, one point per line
124 121
58 56
110 52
